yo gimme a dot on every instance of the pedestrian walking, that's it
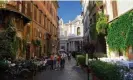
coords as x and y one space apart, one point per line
55 61
63 56
44 63
69 56
52 61
58 61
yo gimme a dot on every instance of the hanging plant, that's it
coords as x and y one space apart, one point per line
102 23
36 42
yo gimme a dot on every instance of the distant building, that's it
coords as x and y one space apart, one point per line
71 35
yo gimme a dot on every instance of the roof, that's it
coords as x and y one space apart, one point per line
26 19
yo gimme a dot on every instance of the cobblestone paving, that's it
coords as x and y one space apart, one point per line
71 72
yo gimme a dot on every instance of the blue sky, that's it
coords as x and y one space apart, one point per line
69 10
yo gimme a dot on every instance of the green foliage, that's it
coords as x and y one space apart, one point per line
75 53
120 32
129 39
36 42
93 32
101 24
3 65
80 59
8 41
105 71
98 3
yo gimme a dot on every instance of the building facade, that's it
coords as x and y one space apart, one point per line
90 10
112 10
115 9
71 35
41 35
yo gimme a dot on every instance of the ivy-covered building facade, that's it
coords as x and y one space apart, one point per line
12 34
115 22
119 31
36 24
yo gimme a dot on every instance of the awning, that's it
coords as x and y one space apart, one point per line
26 19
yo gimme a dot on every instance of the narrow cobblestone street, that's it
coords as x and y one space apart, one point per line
71 72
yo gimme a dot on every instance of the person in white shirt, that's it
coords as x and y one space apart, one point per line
44 64
63 56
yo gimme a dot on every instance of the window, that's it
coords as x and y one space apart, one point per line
19 6
78 31
40 17
114 8
40 34
29 9
35 32
62 47
23 7
35 13
44 48
44 2
46 23
65 33
130 50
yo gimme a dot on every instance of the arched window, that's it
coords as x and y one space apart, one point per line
78 31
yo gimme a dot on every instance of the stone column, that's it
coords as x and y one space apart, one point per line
73 45
69 46
80 45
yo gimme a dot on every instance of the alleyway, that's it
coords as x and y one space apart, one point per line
71 72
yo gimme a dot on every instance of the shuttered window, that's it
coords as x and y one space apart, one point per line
114 9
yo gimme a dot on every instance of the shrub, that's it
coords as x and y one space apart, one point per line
105 71
3 66
74 54
80 59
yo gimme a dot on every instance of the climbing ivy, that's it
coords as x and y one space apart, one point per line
120 32
8 41
98 3
93 33
102 23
